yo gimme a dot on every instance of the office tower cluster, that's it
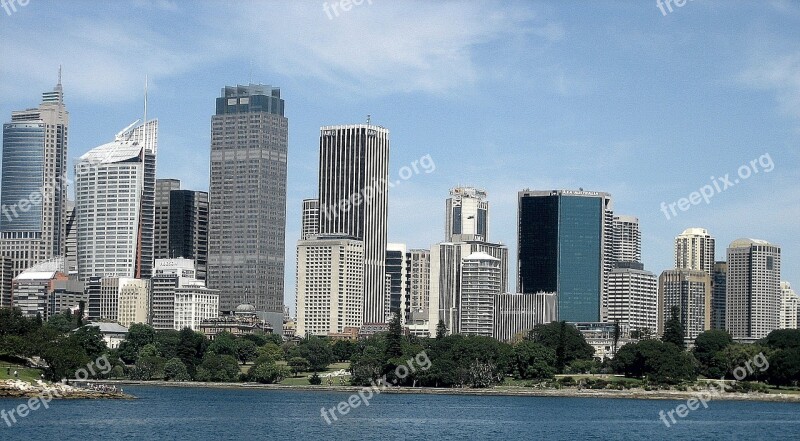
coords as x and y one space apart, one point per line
131 248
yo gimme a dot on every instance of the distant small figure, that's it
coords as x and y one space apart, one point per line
16 375
8 371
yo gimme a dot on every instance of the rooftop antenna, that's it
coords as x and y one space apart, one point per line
250 80
369 118
59 74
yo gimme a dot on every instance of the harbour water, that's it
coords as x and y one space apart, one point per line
199 414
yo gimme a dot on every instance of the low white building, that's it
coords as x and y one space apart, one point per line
113 333
179 300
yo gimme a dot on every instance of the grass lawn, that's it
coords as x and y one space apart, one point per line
302 377
25 374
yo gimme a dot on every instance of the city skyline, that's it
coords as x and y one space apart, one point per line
638 156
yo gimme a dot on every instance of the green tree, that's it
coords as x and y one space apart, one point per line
139 335
316 350
246 350
394 339
270 350
191 349
298 364
657 361
91 340
533 361
343 350
784 367
223 343
706 347
441 330
218 368
13 322
175 370
673 328
782 339
148 367
64 359
267 373
167 343
565 340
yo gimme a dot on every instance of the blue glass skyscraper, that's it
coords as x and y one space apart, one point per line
33 192
564 246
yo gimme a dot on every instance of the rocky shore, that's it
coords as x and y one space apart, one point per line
22 389
634 394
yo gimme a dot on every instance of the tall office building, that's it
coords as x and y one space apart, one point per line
310 225
718 282
33 192
633 296
247 232
753 299
161 231
114 206
694 250
467 215
689 290
181 224
627 239
480 283
397 271
71 242
419 275
330 291
353 200
789 306
565 246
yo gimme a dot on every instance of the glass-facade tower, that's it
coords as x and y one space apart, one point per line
564 247
33 192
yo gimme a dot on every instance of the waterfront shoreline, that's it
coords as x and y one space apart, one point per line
14 389
632 394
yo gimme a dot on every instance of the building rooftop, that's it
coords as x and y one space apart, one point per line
744 243
109 328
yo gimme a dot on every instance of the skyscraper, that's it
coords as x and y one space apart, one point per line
114 206
753 289
397 269
718 282
694 250
627 239
480 283
419 279
247 218
353 200
161 231
310 225
181 227
330 291
690 291
467 215
565 246
33 192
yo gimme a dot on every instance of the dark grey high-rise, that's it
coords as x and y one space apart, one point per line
247 207
181 224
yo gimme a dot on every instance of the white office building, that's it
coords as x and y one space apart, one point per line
633 297
789 303
516 314
467 215
480 283
694 250
115 211
753 289
330 277
179 299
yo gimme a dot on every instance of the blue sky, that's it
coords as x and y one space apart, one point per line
607 96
